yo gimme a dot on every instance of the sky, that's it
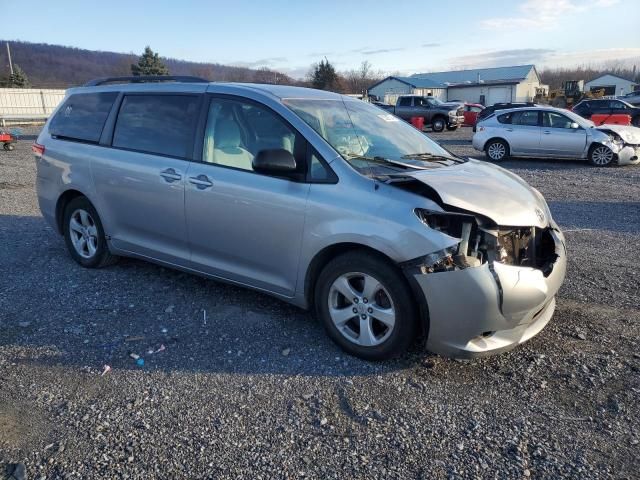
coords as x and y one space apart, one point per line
394 36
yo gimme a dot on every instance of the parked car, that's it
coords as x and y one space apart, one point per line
556 133
315 198
438 114
586 108
471 112
632 98
502 106
491 109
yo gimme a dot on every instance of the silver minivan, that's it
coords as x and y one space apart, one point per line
319 199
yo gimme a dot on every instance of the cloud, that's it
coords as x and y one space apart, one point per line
544 14
263 62
544 57
501 58
430 45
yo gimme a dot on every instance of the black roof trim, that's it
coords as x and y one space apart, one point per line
145 78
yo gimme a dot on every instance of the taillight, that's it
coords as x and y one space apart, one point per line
37 149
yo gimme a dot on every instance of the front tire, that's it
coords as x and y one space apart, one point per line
438 124
497 150
84 235
366 306
601 156
452 128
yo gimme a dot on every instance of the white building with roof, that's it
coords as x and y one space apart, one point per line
480 85
612 84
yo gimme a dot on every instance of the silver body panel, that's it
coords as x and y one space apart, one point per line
264 232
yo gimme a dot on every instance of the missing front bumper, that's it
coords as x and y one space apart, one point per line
491 308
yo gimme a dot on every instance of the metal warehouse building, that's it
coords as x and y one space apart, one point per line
483 85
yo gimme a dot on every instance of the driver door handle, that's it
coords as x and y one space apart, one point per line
546 132
201 182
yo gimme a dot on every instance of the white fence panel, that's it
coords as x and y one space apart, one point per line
22 102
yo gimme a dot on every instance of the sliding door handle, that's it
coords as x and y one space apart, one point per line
201 182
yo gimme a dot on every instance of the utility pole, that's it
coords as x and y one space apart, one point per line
9 55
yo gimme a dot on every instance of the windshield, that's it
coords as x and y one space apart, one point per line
371 139
428 101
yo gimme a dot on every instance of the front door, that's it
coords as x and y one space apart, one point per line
140 180
245 226
559 139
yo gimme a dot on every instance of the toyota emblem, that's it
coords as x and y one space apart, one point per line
540 215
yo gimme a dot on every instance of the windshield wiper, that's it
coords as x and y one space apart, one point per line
431 157
383 161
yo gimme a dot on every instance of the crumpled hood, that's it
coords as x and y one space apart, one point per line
489 190
629 134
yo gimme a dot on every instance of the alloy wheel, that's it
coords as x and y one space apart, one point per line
84 233
361 309
496 151
602 156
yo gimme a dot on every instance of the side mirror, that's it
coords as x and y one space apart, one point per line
574 125
277 161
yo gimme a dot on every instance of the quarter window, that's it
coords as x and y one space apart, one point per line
405 102
236 131
82 116
160 124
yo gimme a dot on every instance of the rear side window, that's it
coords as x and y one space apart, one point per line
82 116
504 118
525 117
161 124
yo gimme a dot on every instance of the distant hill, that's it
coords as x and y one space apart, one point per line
55 66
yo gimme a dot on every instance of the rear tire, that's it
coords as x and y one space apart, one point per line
601 156
438 124
375 318
84 235
497 150
9 147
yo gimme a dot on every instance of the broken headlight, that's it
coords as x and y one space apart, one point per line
445 222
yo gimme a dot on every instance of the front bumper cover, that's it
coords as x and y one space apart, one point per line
483 310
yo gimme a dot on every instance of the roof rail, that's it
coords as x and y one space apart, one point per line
145 78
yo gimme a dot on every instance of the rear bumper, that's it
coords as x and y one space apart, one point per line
484 310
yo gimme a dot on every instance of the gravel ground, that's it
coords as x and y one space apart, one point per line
258 391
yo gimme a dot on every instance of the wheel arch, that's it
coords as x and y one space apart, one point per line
329 252
495 138
63 201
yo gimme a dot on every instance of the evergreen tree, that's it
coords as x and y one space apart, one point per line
18 79
324 76
149 64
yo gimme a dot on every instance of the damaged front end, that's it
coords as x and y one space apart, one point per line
481 241
624 142
492 290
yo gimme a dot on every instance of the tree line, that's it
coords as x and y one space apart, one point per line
53 66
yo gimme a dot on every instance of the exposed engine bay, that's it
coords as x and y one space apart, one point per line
481 242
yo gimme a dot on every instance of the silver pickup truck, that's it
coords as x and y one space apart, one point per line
438 114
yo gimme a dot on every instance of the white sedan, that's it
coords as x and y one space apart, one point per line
541 132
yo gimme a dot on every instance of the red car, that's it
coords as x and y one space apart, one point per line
471 111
